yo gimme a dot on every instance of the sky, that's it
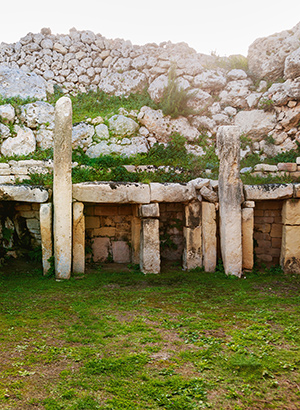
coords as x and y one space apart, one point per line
223 27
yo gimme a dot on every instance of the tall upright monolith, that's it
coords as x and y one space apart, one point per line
230 199
62 189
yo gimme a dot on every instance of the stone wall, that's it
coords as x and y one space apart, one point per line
268 232
171 230
108 232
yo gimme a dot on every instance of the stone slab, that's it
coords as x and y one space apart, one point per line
291 212
78 238
290 249
149 210
46 235
23 193
209 236
268 191
247 237
112 192
192 254
150 246
172 192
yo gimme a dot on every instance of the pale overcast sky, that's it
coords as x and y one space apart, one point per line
222 26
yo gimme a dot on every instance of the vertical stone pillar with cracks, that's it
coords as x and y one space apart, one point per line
230 199
149 243
62 189
46 235
78 238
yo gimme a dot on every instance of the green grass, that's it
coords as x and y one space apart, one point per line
118 339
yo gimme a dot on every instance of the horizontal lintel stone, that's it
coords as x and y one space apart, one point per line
22 193
112 192
268 191
172 192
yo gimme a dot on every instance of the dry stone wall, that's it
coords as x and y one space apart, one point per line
82 61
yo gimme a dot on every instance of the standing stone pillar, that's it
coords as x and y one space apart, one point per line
78 238
135 236
46 235
209 234
247 234
62 188
192 252
290 244
150 243
230 197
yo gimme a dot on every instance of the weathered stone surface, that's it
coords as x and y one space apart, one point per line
123 84
15 82
149 211
78 238
266 168
101 132
266 56
150 246
157 87
111 192
192 253
35 114
247 237
23 193
292 65
23 144
163 127
290 249
256 123
291 212
192 214
209 194
268 191
135 236
235 94
126 147
4 131
82 135
100 249
46 235
169 192
122 126
198 183
62 188
231 197
211 80
120 252
7 113
209 236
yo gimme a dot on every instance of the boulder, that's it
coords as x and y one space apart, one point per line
23 144
102 132
38 113
123 83
7 113
15 82
292 65
256 123
211 80
82 135
162 127
266 56
122 126
157 87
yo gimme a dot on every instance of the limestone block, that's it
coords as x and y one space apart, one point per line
135 239
46 235
291 212
268 191
172 192
290 249
149 211
23 193
150 246
192 253
192 213
209 236
230 199
287 166
120 252
248 204
111 192
78 238
23 144
62 188
209 194
247 237
100 249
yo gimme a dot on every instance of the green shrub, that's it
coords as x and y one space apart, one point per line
175 100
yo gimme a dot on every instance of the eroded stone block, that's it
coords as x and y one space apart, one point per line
78 238
209 236
247 237
150 246
192 253
46 235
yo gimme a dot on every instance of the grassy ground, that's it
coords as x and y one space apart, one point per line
117 339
